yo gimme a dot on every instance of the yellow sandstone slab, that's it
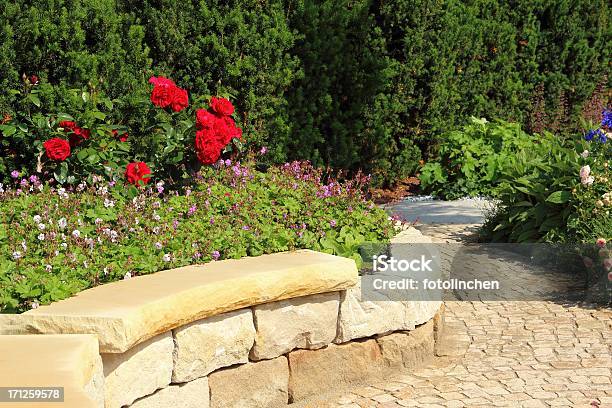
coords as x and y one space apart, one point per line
128 312
69 361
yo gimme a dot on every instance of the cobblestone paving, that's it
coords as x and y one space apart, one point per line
516 354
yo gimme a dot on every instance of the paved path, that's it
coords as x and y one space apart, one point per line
468 211
504 353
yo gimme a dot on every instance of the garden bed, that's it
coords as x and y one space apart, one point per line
59 241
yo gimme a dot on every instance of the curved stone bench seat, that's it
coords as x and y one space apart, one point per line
125 313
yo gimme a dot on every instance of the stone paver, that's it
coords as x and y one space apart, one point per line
513 354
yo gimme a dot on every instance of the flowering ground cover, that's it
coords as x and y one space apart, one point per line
56 241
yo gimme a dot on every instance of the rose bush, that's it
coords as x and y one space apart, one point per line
71 149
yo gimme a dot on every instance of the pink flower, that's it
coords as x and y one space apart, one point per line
607 264
585 171
601 242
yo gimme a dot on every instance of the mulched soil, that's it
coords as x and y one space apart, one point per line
405 188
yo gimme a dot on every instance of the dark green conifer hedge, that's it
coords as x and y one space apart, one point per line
357 84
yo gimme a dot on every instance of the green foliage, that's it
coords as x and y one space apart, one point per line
542 198
363 85
55 243
471 161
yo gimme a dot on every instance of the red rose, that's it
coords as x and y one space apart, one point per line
221 106
226 130
67 125
137 172
180 99
123 137
34 79
162 96
161 81
205 119
207 146
57 149
78 135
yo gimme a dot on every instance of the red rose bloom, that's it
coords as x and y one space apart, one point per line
205 119
162 96
161 81
123 137
221 106
167 94
180 99
68 125
78 135
137 172
57 149
208 148
226 130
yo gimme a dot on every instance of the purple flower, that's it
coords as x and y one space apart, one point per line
332 223
216 255
263 150
14 174
212 221
228 162
33 179
192 210
246 227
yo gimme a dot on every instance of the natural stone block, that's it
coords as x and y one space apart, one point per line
316 371
438 322
139 371
206 345
127 312
368 312
408 349
194 394
410 235
307 322
364 318
260 384
68 360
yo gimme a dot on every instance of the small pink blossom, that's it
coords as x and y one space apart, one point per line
601 242
585 171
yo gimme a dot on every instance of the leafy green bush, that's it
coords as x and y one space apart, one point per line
57 242
556 196
471 161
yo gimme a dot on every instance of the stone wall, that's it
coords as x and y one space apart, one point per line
300 331
265 356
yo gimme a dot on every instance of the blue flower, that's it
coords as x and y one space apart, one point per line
597 134
603 138
589 135
606 120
